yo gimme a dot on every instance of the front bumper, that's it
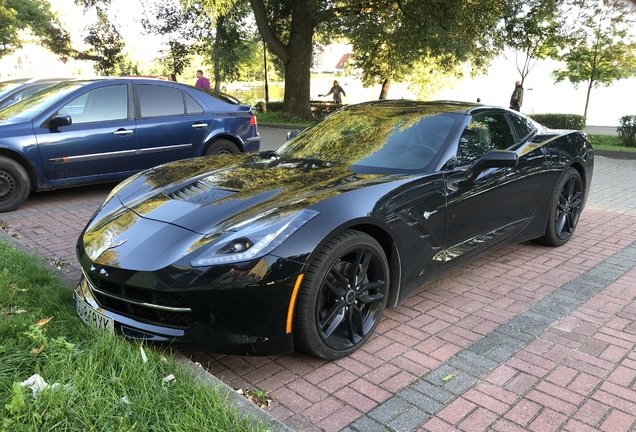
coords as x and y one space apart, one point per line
238 318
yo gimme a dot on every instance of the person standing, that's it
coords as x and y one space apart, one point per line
202 81
337 92
517 97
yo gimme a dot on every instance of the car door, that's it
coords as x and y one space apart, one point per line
499 202
171 124
99 143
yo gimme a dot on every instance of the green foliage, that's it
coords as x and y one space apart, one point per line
600 50
103 382
176 23
107 44
534 30
36 17
627 130
560 121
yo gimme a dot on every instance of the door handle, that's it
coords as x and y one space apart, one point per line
199 125
123 132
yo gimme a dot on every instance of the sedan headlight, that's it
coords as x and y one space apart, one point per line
252 240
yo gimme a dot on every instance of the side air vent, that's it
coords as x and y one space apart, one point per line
543 137
199 192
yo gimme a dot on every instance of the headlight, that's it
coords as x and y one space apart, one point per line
247 241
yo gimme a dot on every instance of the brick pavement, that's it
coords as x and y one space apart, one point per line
526 338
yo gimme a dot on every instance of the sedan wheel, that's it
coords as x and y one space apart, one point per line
15 184
342 297
565 209
221 147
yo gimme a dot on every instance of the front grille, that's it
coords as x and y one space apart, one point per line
154 307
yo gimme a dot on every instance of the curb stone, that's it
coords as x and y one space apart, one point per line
256 415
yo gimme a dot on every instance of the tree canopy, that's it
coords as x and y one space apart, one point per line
601 48
36 17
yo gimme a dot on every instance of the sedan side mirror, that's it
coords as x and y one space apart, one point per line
60 120
292 134
492 159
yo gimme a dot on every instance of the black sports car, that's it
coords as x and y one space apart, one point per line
305 247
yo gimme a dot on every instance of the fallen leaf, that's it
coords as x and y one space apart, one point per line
38 350
44 321
447 377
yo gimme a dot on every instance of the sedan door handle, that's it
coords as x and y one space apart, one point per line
123 132
199 125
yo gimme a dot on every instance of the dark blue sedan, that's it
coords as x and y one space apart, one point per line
82 132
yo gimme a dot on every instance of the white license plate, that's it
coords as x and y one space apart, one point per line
92 317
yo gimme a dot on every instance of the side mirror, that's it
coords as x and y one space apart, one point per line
492 159
292 134
60 120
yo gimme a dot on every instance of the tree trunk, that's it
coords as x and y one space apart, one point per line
587 99
385 89
296 55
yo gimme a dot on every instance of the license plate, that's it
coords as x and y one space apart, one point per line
92 317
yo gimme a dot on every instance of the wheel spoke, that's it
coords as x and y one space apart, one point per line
371 285
360 267
337 289
371 298
576 200
333 319
355 322
560 222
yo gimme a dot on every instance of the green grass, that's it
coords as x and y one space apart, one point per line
280 118
103 383
608 142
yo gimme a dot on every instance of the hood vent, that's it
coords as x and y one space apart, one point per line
199 192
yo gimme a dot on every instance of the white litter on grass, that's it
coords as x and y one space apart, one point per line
36 384
125 400
169 378
143 355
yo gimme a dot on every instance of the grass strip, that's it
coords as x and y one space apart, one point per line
96 381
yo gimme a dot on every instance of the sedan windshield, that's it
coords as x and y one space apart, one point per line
37 102
376 139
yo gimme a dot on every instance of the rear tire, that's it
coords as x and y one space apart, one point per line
15 184
221 147
342 296
565 209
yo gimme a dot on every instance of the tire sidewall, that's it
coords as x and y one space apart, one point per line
218 145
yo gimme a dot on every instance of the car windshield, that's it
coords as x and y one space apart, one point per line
375 138
37 102
6 87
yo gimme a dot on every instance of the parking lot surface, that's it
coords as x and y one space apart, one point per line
526 338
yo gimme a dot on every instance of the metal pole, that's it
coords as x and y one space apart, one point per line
265 63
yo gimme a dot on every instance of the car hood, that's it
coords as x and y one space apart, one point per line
191 202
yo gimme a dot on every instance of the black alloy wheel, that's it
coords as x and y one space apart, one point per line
565 209
342 296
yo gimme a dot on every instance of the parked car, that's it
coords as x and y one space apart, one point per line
81 132
306 246
18 90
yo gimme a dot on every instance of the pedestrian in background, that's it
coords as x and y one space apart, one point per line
202 81
337 92
517 97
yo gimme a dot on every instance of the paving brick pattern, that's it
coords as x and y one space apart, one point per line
526 338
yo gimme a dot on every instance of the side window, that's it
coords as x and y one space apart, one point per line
522 126
192 106
160 101
485 132
98 105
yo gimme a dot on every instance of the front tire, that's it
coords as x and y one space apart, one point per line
342 296
15 184
565 209
221 147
